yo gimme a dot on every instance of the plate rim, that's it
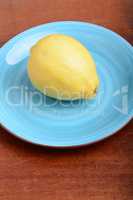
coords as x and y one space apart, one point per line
68 146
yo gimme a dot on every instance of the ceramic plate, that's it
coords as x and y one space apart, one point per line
33 117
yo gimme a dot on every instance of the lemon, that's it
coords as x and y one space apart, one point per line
61 67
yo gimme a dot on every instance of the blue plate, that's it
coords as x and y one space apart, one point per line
38 119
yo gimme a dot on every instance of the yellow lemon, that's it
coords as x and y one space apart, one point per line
61 67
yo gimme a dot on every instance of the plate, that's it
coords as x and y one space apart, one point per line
35 118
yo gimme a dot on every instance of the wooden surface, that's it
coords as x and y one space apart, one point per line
102 171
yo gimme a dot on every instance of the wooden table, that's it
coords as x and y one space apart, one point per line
98 172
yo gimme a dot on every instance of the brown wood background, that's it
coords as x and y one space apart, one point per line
99 172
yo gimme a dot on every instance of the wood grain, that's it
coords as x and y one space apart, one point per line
98 172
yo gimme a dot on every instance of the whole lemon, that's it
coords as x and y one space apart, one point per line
61 67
